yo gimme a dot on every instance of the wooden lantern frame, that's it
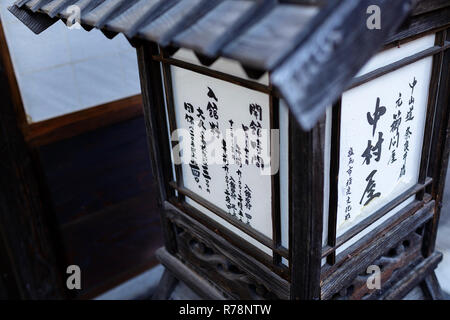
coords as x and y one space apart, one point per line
305 273
207 256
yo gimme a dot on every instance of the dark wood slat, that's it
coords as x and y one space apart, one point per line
431 110
210 33
334 179
119 241
263 45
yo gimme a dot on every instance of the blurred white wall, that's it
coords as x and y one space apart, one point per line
61 70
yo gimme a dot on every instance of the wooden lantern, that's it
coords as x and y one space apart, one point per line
349 190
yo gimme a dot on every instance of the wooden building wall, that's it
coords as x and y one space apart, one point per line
87 177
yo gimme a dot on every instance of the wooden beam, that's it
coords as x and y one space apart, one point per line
157 131
73 124
198 284
69 125
403 287
351 268
431 288
440 151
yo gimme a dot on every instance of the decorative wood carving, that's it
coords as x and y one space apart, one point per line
235 277
226 273
395 263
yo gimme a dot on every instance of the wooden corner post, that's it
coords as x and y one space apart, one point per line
306 209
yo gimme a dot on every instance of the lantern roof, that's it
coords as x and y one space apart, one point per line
312 48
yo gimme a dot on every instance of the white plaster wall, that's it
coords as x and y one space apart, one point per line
62 71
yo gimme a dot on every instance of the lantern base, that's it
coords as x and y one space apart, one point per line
177 271
215 269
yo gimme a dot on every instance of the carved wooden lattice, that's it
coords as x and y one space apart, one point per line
222 269
393 264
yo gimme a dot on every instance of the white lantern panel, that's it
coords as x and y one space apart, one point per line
224 142
382 127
